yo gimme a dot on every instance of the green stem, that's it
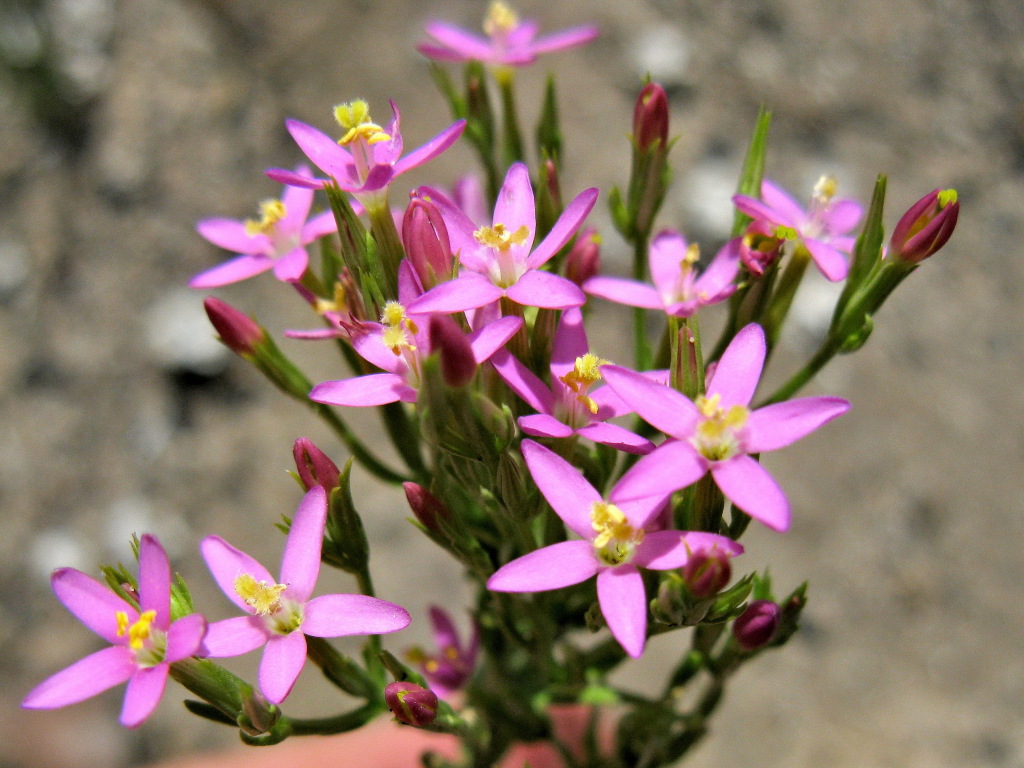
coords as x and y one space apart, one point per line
512 149
826 352
641 345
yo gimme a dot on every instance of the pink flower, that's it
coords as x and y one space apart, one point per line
144 640
677 288
569 406
822 228
718 432
373 156
509 41
449 668
279 615
616 538
498 259
276 241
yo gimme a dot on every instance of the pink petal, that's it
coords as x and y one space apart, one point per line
543 425
468 291
444 631
292 179
155 580
615 436
789 209
668 250
563 230
232 271
290 267
322 150
564 487
92 603
369 343
143 694
515 207
831 262
523 381
300 564
431 149
546 290
760 211
672 466
231 235
320 225
374 389
620 591
343 615
662 407
570 342
282 661
663 550
297 203
739 370
720 273
749 486
464 43
776 426
235 636
493 336
84 679
437 53
621 291
559 565
843 216
567 38
227 563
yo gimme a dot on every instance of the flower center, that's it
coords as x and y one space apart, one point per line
616 539
500 20
147 641
583 375
718 436
500 237
399 329
271 212
354 117
263 598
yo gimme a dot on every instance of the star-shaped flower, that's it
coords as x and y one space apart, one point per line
617 537
279 614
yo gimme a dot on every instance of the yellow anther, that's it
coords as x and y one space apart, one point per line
500 19
584 373
716 437
122 623
692 256
431 666
262 597
451 653
396 338
499 237
825 189
354 117
783 232
609 523
337 303
138 633
393 314
946 197
271 212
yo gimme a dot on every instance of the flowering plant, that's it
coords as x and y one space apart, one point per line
531 460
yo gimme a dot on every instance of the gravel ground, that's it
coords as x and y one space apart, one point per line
125 122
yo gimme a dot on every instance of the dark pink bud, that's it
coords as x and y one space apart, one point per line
760 247
412 704
458 364
650 118
707 572
584 260
313 466
426 241
427 508
756 626
925 227
239 332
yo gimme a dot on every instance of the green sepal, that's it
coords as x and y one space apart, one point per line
728 604
352 234
549 132
208 712
399 671
867 253
752 174
858 338
331 262
181 598
345 545
116 578
620 215
342 670
792 608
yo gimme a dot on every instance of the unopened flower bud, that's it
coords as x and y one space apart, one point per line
314 466
410 703
584 260
650 117
427 508
707 572
760 247
756 626
925 227
458 364
239 332
426 241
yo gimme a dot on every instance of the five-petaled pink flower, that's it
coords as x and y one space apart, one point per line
144 640
822 228
569 406
449 668
677 288
276 241
497 259
718 433
373 156
617 537
509 42
280 614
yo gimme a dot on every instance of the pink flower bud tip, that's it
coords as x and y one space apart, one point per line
239 332
427 508
707 573
650 117
314 466
756 626
926 226
426 241
410 703
584 260
458 363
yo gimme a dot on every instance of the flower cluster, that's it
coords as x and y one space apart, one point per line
582 485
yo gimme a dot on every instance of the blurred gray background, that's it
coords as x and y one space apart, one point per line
125 122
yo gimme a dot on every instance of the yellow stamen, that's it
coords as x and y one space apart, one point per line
500 19
499 237
354 117
262 597
139 632
396 338
584 373
786 233
825 189
609 522
946 197
335 304
716 437
393 314
271 212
